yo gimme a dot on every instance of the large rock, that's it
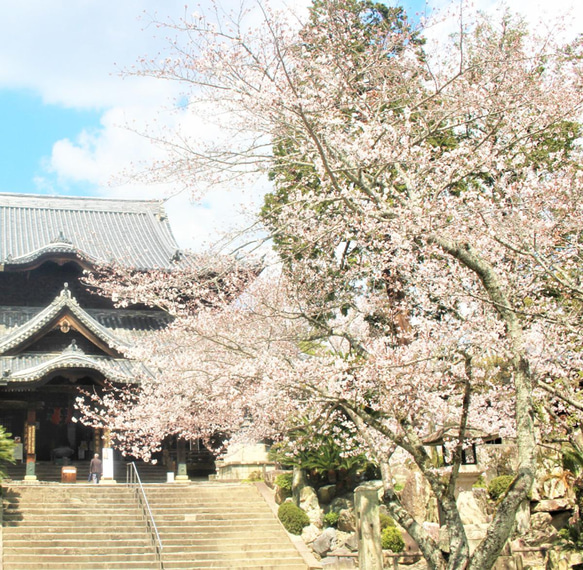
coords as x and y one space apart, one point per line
416 497
432 530
323 544
340 539
540 521
341 503
562 560
280 495
554 485
542 532
311 533
352 542
309 503
513 562
336 563
552 505
410 544
346 520
326 494
475 533
470 511
344 508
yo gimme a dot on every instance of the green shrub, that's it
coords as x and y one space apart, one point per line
391 539
284 481
571 537
331 518
6 450
499 485
292 518
386 521
254 476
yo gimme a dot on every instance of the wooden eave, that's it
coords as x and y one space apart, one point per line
58 258
59 253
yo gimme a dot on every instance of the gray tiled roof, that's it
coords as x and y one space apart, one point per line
134 233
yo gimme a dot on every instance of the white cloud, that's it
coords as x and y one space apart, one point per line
71 51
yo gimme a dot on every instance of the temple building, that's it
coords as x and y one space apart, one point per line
55 336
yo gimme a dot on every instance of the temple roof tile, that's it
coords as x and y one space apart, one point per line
133 233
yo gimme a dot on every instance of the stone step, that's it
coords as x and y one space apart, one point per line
57 557
113 550
206 516
25 540
250 507
201 489
64 526
119 552
171 565
213 527
124 564
238 539
62 510
251 550
72 517
40 537
81 501
260 558
241 565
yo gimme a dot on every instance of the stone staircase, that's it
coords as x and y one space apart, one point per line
90 527
220 526
51 472
76 527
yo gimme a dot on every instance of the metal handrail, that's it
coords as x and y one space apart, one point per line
133 479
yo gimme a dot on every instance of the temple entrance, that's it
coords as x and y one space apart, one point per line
45 420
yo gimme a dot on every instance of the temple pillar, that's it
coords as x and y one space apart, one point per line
30 445
181 472
107 457
97 440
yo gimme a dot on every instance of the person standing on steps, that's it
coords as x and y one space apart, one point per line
95 469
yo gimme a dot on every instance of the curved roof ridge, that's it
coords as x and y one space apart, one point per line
117 370
47 201
51 312
53 247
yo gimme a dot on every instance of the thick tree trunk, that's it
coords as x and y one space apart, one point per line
503 524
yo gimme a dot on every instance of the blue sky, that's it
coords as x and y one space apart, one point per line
65 110
29 129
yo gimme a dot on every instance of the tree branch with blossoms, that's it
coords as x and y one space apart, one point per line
423 198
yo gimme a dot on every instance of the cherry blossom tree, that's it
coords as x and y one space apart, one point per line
427 213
